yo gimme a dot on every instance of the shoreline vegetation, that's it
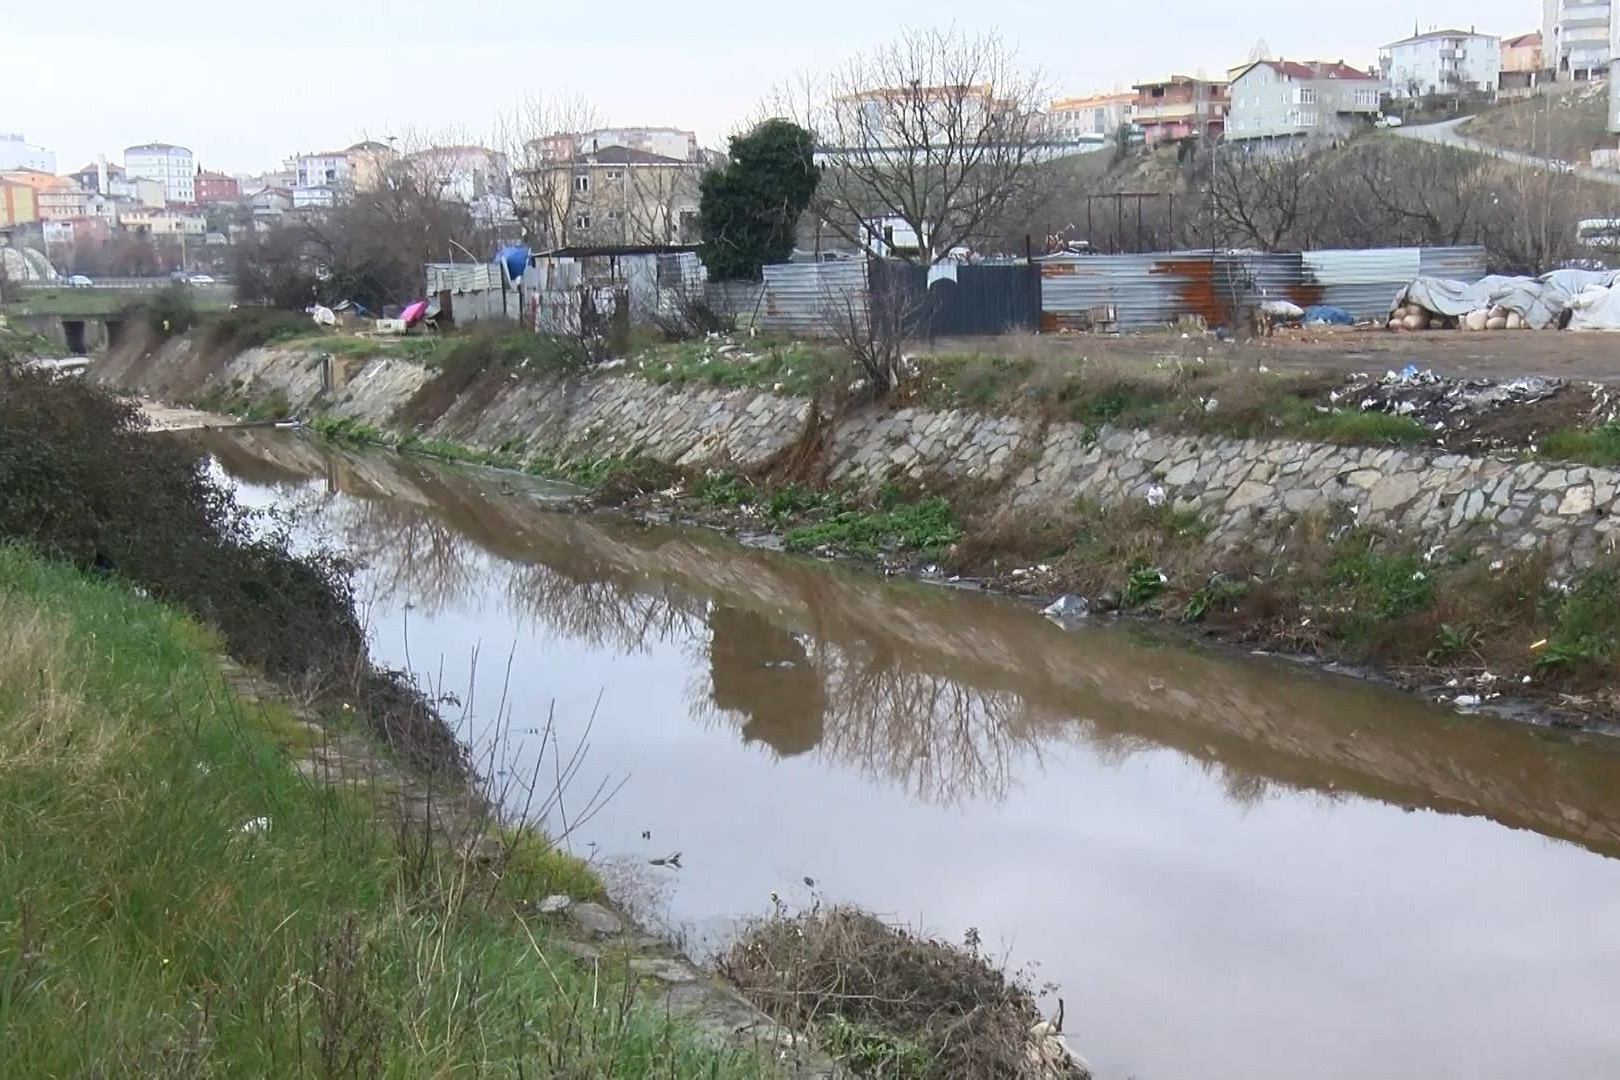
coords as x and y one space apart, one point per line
241 848
1476 632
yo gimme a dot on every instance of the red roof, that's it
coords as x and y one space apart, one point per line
1316 69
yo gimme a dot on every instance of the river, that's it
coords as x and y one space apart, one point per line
1235 867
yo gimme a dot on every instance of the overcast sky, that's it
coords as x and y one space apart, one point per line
243 85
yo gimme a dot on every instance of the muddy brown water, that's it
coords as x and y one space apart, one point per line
1235 867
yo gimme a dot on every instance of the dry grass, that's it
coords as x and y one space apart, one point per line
888 1002
42 691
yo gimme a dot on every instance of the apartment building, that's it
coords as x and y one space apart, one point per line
1180 107
213 188
1446 62
1090 119
1578 38
17 152
615 196
1284 99
17 205
170 165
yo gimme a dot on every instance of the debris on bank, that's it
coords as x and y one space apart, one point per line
1480 414
888 1002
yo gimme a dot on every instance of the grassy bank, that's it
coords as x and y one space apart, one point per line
176 899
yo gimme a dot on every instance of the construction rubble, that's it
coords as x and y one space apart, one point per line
1560 300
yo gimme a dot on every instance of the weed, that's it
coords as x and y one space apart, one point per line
1366 429
1454 640
1142 584
1382 584
347 431
723 489
925 527
1595 446
1219 592
1586 624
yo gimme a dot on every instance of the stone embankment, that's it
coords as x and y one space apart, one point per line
1487 504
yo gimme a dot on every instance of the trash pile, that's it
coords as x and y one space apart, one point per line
1562 299
1480 414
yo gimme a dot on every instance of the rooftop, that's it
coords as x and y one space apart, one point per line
1431 34
155 148
1313 69
624 155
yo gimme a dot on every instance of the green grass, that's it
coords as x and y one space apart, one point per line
1592 446
1366 429
1586 624
147 929
925 527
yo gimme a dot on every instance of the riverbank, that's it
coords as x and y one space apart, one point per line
208 882
1478 576
243 845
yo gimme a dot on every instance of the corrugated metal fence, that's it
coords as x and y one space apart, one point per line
1133 292
810 299
472 291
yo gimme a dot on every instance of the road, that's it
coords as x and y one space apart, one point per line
1447 134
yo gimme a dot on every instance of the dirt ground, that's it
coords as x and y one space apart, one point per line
1456 354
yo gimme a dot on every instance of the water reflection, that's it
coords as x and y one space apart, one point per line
1216 857
954 698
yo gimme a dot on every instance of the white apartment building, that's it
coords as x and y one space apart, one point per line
1578 38
1283 99
1091 119
172 166
1442 62
18 153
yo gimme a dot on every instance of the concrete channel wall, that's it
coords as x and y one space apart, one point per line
1484 504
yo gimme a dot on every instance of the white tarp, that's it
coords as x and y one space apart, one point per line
1539 301
1596 308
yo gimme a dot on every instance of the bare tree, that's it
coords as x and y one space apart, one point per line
923 141
1257 196
540 139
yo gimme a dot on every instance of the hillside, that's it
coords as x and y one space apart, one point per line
1567 125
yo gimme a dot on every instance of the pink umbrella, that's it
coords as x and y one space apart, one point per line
413 312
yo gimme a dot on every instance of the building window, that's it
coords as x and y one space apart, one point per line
614 215
614 176
1307 95
583 221
582 184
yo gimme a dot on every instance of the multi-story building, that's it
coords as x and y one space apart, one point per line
327 178
17 205
1180 107
1577 38
1522 65
1447 62
18 153
67 201
172 166
461 173
1285 99
613 197
213 188
1088 120
669 142
164 222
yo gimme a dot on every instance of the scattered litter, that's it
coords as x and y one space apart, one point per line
1067 606
1538 645
1466 701
671 861
1156 496
255 827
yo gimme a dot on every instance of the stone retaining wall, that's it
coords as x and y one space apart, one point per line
1486 504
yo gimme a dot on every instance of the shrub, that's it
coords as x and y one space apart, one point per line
80 480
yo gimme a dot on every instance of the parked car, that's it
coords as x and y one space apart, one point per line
79 281
1387 121
200 279
1559 165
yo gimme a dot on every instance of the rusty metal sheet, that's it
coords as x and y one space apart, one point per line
807 298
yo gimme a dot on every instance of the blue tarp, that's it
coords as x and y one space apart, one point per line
516 260
1327 313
